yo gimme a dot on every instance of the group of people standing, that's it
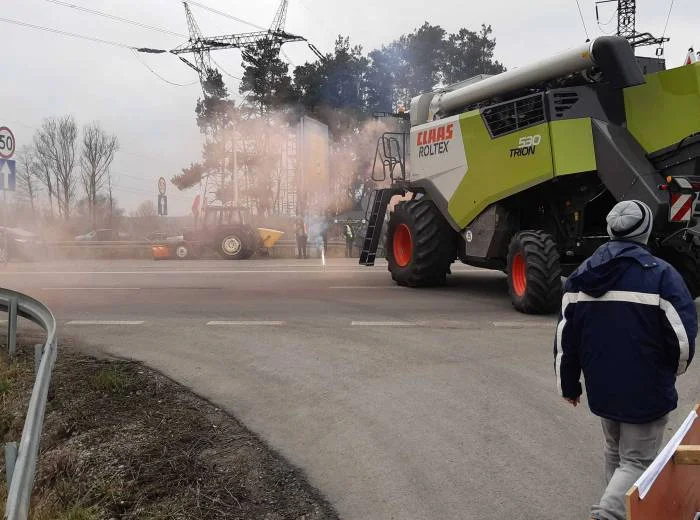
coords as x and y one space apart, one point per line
301 231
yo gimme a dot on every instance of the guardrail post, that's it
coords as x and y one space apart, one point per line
10 459
12 327
38 353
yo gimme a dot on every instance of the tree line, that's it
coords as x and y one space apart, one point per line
65 163
344 89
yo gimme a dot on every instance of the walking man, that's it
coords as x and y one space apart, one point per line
629 323
349 237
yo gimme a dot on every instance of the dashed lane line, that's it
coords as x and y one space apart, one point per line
365 287
439 324
383 324
105 322
91 288
246 323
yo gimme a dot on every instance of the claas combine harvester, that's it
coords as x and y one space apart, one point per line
517 171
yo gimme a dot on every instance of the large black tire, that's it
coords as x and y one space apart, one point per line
534 273
232 246
421 245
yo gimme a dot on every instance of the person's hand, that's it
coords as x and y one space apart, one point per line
573 402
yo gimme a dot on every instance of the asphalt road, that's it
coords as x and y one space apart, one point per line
398 403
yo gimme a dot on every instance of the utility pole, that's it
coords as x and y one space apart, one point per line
199 45
627 24
627 18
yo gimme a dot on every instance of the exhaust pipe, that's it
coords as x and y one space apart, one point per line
613 55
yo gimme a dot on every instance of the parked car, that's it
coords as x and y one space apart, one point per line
102 235
22 245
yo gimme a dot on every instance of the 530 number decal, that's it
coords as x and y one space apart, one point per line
530 140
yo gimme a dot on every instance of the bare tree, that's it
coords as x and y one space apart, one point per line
56 143
44 173
111 200
28 177
97 154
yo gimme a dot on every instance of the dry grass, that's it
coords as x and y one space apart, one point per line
124 442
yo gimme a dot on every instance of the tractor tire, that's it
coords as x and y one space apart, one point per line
421 245
534 273
232 246
183 251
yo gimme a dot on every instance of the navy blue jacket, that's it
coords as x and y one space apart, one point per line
629 323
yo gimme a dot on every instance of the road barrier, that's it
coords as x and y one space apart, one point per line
142 250
20 461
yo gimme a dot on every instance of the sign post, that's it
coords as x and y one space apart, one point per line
8 178
162 198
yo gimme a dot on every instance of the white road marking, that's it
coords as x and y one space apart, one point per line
91 288
524 324
104 322
247 323
383 324
350 287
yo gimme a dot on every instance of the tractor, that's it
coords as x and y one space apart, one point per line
516 172
224 229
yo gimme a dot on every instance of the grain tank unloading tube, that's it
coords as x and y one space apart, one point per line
516 172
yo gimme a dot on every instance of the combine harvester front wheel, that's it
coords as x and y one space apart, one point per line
421 245
534 273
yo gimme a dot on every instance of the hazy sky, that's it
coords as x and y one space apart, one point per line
50 75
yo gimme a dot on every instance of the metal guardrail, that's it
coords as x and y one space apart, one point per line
95 243
21 462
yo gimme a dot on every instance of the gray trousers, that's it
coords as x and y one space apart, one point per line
629 449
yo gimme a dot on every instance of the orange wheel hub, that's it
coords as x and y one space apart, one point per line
403 245
518 274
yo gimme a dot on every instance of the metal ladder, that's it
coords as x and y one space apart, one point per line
375 221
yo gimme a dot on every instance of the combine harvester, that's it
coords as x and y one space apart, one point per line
517 172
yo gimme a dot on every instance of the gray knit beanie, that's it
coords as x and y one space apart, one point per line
630 220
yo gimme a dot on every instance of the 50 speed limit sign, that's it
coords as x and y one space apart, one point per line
7 143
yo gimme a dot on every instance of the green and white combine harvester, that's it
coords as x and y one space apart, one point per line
517 171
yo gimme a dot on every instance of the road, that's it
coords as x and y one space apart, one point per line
398 403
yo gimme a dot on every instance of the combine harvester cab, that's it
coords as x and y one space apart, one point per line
517 172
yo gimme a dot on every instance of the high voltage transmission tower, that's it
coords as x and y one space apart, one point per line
627 24
200 46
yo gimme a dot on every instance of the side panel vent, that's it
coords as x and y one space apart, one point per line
563 102
514 115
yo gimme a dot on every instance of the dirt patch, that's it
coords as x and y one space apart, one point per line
122 441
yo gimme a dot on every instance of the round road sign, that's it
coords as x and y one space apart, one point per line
161 186
7 143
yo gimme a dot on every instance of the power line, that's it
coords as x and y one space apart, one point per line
230 16
670 9
609 21
66 33
98 40
224 70
136 55
117 18
585 29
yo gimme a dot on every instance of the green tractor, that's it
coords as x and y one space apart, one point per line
517 172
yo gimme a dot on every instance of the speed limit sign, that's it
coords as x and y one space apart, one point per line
7 143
